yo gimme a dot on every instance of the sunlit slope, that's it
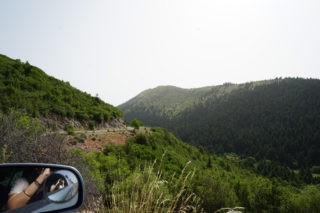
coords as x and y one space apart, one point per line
26 87
162 103
275 119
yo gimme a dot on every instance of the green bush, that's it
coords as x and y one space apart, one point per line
136 123
69 129
91 125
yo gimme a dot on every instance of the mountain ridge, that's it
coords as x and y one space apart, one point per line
265 119
168 92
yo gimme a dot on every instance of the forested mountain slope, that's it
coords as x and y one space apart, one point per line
164 101
26 87
275 119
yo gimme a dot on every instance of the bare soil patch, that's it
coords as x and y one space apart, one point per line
96 141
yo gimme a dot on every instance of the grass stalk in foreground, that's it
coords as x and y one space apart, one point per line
147 191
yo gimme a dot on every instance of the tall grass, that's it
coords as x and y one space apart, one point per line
147 191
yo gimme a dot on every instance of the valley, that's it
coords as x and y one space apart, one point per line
253 145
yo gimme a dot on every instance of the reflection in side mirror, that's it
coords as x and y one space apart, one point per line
62 186
40 188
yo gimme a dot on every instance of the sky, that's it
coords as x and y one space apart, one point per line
116 49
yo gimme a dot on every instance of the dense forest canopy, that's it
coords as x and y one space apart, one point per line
276 119
26 87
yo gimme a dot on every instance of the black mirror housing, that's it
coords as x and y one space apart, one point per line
39 187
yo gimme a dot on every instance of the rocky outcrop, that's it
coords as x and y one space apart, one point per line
56 123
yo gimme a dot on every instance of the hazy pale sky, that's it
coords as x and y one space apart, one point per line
117 49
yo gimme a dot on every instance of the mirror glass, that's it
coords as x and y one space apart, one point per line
62 186
38 188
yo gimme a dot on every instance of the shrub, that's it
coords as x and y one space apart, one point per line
91 125
136 123
69 129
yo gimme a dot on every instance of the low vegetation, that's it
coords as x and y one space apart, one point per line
156 162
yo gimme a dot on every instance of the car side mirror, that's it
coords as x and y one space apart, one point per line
33 187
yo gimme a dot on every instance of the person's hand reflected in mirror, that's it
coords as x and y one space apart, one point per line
58 185
25 187
39 187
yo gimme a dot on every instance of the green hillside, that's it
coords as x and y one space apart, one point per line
25 87
156 172
165 101
159 165
276 119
